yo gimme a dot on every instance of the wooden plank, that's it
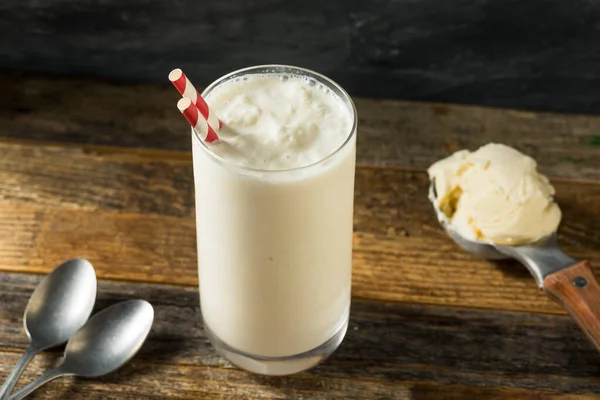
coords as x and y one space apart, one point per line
121 246
144 380
89 179
147 380
389 347
134 220
486 52
391 133
433 391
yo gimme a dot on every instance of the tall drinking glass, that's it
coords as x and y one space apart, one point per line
275 248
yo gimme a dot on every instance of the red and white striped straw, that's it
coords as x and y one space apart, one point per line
200 125
186 89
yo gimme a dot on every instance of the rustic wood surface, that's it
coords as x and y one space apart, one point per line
86 173
387 343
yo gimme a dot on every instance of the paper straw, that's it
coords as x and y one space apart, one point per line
196 120
186 89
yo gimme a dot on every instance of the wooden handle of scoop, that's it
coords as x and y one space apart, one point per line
578 291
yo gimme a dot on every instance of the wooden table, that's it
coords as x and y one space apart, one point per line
104 172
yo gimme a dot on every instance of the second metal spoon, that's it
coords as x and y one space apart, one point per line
107 341
58 307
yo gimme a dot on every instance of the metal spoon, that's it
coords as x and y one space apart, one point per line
107 341
58 307
569 282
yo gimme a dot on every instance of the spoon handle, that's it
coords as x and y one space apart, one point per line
578 291
15 374
36 383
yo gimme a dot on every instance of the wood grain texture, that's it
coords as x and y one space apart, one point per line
133 217
577 289
539 54
391 133
432 391
390 347
158 381
130 211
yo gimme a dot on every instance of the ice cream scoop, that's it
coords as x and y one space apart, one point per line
569 282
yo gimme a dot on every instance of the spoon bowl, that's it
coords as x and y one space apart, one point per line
109 340
61 304
57 308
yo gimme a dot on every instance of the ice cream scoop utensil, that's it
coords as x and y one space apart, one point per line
569 282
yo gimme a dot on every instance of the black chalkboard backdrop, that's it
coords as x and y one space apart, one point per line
535 54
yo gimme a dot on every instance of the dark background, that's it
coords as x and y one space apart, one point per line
528 54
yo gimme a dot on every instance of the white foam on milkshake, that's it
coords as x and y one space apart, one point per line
277 121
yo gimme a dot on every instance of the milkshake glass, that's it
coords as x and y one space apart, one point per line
275 245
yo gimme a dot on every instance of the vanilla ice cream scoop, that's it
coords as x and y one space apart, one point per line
496 195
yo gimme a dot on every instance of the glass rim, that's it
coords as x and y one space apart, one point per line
345 97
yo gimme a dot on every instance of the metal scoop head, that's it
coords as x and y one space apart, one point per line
542 258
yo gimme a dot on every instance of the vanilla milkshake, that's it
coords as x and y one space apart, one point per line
274 207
